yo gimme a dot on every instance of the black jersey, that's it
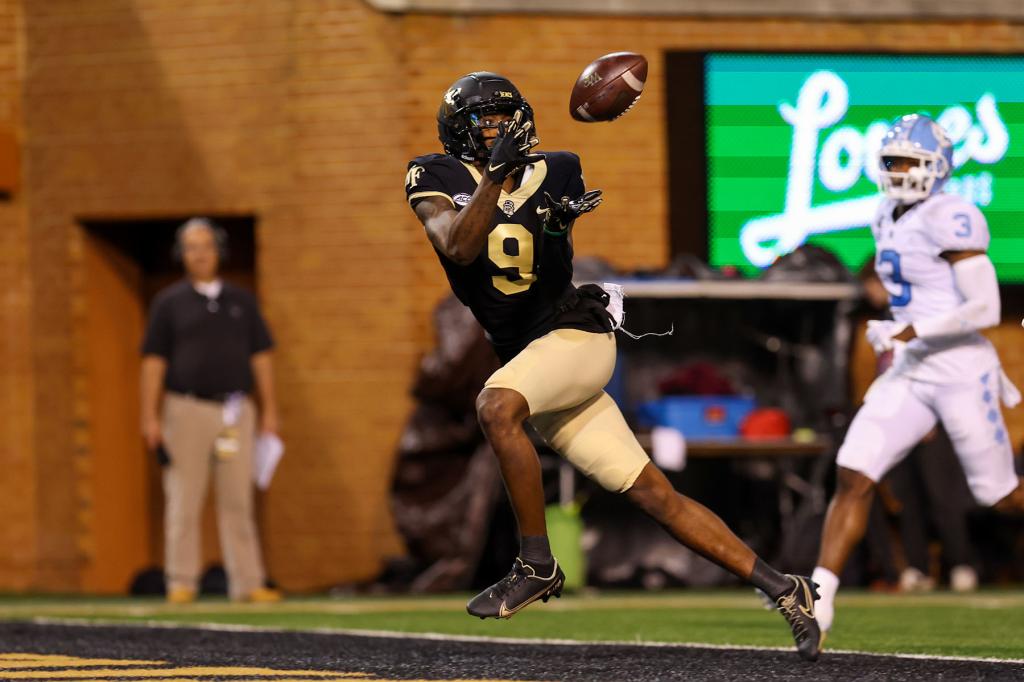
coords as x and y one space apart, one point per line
520 285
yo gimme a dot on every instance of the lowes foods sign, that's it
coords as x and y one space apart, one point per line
792 140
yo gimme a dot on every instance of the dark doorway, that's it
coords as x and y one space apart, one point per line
149 243
125 263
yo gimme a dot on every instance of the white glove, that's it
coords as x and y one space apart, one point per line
880 333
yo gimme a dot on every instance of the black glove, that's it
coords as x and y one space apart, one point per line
559 214
511 149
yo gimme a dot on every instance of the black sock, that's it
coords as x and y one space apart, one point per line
536 551
773 583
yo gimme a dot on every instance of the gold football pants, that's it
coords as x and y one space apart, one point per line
562 376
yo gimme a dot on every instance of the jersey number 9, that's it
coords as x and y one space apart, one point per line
510 246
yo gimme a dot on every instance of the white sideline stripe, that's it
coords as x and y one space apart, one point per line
439 637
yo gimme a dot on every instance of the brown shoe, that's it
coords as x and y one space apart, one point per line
181 595
262 595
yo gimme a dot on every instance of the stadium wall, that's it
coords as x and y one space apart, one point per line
18 499
302 114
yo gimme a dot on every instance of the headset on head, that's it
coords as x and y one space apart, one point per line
220 237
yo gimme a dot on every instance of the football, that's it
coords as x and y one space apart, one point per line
608 87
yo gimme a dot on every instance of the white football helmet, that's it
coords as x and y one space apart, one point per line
924 142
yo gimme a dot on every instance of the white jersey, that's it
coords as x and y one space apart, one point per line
921 284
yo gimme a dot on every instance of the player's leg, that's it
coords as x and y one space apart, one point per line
595 438
971 415
554 372
893 419
501 412
846 519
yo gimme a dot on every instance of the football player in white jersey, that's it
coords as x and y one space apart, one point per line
931 256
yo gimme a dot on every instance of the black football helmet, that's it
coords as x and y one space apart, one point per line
468 100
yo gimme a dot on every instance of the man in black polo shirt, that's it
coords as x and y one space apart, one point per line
206 348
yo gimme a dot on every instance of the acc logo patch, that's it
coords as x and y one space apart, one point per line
509 207
461 199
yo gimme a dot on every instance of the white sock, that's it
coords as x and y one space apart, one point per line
824 608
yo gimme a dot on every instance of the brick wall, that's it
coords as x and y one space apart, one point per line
152 108
17 484
304 114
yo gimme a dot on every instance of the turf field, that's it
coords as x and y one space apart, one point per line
657 636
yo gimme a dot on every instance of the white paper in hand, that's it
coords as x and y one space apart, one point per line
265 457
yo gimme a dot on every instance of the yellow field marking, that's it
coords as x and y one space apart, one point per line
200 671
15 666
197 673
20 666
17 661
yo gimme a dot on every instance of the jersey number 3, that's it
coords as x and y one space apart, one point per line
510 246
893 259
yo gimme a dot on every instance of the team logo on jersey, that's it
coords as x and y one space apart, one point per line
509 207
461 199
413 176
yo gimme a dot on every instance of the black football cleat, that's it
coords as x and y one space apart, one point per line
797 606
517 590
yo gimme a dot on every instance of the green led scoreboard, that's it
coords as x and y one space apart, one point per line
792 138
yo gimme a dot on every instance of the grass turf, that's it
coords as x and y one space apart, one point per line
986 624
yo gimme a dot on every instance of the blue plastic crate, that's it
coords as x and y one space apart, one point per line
705 416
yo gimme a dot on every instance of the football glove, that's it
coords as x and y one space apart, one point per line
559 214
880 333
511 150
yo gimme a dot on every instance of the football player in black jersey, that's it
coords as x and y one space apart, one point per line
500 216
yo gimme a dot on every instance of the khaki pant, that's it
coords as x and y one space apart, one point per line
562 376
190 427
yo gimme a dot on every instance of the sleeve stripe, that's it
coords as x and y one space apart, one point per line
421 195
